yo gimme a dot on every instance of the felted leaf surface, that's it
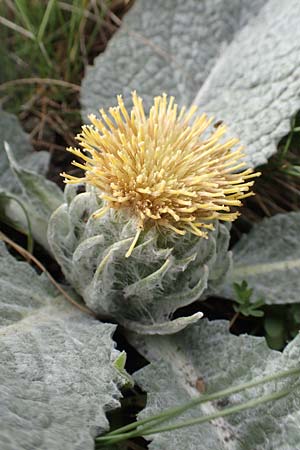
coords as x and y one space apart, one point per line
39 196
12 133
207 356
255 86
21 176
268 258
57 375
237 60
163 273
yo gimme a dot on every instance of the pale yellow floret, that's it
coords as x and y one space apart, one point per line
161 168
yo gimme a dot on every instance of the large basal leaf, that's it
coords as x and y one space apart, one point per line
21 177
268 258
206 356
255 85
237 60
164 45
57 377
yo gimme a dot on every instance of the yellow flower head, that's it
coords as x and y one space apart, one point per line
164 168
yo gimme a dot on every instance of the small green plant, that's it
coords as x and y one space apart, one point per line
244 305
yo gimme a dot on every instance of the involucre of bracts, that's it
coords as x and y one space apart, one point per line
165 271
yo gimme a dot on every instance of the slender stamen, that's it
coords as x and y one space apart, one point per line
164 168
131 248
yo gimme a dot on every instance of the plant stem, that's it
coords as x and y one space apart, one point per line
37 80
146 431
173 412
288 142
234 318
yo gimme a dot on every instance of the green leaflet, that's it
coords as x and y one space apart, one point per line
164 272
206 356
268 258
58 377
215 54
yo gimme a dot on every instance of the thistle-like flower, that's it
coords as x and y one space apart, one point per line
165 169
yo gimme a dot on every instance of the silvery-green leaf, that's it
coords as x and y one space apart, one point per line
238 60
167 327
39 196
164 272
12 133
255 85
58 377
268 258
19 297
21 177
164 46
207 357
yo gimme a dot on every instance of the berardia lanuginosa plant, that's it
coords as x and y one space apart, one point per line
147 237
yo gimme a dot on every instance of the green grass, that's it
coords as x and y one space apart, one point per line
46 47
48 39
